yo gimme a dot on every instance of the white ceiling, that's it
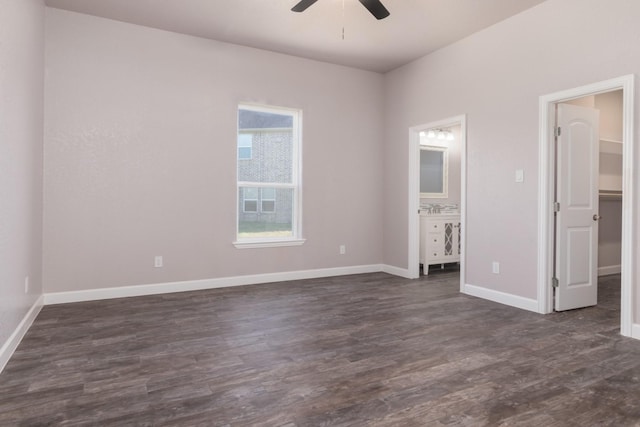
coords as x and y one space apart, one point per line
414 29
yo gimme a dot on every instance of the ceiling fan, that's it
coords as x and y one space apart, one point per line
376 8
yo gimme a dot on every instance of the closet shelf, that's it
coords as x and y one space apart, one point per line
611 194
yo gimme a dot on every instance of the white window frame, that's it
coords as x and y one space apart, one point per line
296 184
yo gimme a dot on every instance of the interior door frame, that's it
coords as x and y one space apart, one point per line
547 182
414 192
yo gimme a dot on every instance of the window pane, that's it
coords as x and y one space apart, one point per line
251 206
245 140
268 206
250 193
244 153
268 193
273 220
272 146
245 143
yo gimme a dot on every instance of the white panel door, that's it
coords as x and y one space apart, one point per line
577 220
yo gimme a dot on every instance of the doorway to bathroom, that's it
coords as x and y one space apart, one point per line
437 195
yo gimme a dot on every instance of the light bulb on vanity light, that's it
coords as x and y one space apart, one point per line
441 134
449 135
431 133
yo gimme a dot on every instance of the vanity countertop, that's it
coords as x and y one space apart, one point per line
426 212
432 209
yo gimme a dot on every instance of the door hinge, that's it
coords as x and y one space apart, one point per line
554 282
556 206
558 131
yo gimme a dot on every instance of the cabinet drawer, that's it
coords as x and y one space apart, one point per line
434 227
433 253
434 239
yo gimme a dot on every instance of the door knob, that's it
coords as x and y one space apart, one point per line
596 217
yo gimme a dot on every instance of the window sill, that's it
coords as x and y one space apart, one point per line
252 244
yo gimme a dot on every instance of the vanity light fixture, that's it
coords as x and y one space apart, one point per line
441 134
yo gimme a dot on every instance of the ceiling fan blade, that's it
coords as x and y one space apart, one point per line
376 8
303 5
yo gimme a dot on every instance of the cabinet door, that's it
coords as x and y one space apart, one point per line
449 246
451 243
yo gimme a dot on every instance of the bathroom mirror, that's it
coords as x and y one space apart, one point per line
433 172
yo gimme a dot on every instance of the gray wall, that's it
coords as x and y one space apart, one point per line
496 77
21 105
140 152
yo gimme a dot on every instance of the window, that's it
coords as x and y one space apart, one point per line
269 183
250 199
245 146
268 199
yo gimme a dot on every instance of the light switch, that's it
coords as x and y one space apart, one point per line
519 175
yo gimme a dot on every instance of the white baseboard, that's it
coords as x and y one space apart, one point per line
609 269
635 331
9 347
396 271
223 282
501 297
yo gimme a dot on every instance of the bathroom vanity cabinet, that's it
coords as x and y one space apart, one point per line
439 239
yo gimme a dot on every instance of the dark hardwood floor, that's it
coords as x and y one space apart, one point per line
364 350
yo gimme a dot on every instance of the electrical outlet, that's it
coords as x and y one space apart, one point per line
158 261
26 285
496 267
343 249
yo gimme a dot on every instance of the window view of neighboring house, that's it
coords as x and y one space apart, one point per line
268 190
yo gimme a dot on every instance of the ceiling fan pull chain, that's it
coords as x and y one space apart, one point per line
342 19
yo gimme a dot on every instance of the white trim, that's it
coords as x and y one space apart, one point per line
196 285
397 271
9 347
413 262
501 297
609 269
545 193
249 244
635 331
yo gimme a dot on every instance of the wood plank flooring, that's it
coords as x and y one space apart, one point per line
364 350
